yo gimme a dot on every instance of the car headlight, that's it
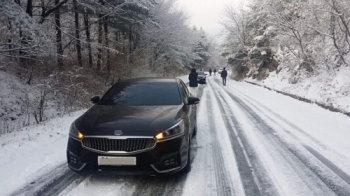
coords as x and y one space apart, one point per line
75 133
174 131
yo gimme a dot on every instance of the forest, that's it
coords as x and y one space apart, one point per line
69 50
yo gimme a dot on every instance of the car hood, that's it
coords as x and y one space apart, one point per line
131 120
201 76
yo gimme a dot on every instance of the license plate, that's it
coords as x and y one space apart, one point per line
116 161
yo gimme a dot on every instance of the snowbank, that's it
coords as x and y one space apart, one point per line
325 88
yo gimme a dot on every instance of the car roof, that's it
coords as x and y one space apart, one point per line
150 80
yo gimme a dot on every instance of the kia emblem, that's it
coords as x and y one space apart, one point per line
118 132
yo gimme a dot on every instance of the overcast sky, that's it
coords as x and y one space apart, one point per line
206 13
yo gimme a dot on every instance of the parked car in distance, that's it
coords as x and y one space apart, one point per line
220 70
202 77
140 126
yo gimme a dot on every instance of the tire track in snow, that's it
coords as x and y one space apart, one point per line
293 126
160 185
314 152
224 185
250 183
62 178
263 178
51 183
293 154
201 180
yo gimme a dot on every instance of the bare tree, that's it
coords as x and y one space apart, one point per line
77 34
88 39
108 63
58 35
235 23
99 50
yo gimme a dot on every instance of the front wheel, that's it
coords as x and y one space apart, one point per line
194 130
187 168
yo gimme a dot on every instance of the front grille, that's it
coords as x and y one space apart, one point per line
124 145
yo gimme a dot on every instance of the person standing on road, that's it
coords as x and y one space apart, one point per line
214 72
224 75
210 71
193 78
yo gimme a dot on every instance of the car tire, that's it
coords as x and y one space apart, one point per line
187 168
194 130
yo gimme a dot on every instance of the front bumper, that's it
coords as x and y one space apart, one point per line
166 157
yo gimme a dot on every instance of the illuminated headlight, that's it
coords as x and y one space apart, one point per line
176 130
74 132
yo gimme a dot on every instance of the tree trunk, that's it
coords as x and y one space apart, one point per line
117 40
99 50
107 46
130 40
87 32
58 36
29 9
77 34
124 40
22 59
10 40
334 38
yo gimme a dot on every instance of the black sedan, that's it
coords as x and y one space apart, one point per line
140 126
202 77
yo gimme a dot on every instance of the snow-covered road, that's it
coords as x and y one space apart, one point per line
250 141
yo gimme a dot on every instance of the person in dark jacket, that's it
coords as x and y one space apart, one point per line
214 72
224 76
210 71
193 77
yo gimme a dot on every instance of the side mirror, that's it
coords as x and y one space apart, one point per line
192 100
95 99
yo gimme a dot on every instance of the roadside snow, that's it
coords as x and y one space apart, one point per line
199 182
33 151
331 90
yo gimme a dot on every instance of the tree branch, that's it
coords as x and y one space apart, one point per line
48 12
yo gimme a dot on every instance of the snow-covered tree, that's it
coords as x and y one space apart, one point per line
305 36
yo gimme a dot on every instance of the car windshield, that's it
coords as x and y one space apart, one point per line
142 94
200 72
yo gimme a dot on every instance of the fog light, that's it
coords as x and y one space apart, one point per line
72 158
170 162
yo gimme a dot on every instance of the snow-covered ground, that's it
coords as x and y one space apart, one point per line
250 141
331 89
19 101
33 151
